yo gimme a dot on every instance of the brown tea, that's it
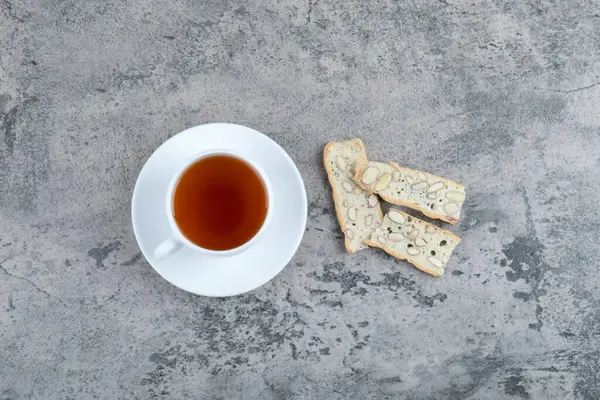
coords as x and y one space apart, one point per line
220 202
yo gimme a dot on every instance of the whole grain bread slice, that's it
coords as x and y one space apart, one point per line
432 195
405 237
358 212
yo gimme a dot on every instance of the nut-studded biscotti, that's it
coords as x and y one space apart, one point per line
434 196
405 237
358 211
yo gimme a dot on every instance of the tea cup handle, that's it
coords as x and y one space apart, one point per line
167 247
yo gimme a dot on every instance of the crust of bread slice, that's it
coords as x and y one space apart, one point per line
432 195
358 212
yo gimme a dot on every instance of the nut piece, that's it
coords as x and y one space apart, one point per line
357 190
370 175
432 196
412 251
436 262
372 201
451 208
382 240
419 186
422 176
396 217
350 233
352 213
413 234
341 163
396 237
435 187
396 176
455 196
347 186
420 242
384 181
430 229
345 203
368 220
410 180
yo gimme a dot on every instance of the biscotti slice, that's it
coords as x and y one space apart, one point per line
434 196
358 211
405 237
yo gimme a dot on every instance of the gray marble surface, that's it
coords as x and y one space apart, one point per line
502 96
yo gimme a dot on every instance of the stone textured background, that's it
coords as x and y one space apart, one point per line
502 96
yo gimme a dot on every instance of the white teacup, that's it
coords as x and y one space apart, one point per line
177 239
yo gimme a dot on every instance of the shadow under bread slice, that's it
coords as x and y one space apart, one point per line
432 195
422 244
358 212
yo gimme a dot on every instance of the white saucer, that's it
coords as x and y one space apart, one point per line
210 275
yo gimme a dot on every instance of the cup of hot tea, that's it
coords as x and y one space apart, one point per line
219 209
219 203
